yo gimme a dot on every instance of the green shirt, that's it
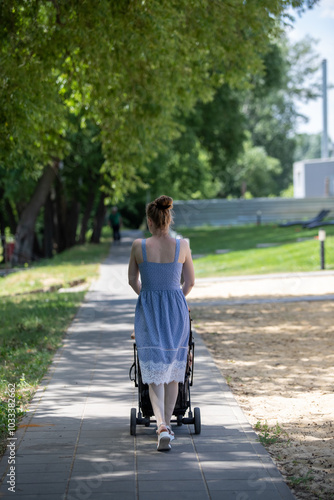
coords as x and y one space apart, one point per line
114 219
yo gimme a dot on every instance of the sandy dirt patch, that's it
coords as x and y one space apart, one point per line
278 359
278 285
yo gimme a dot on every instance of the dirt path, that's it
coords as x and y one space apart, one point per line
278 359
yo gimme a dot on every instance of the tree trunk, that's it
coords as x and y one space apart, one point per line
72 219
3 241
60 205
10 217
86 216
3 235
37 251
99 220
48 228
24 238
66 220
7 218
2 224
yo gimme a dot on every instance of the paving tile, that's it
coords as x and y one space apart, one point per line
257 485
41 477
178 453
42 458
55 423
218 432
169 456
206 448
174 485
50 441
51 433
148 466
100 465
36 496
99 485
41 468
240 459
109 443
102 473
108 465
245 474
232 464
283 490
38 448
42 489
171 474
167 495
97 495
245 495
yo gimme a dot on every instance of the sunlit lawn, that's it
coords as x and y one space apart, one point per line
76 264
289 255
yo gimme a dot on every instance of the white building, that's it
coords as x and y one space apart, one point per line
313 178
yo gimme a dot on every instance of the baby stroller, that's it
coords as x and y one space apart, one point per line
145 411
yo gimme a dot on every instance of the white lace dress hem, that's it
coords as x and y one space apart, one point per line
161 373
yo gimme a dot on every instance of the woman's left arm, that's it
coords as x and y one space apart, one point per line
133 269
188 272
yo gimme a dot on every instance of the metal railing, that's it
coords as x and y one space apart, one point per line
222 212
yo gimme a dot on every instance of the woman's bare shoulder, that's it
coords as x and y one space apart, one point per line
184 242
184 249
136 252
136 245
137 242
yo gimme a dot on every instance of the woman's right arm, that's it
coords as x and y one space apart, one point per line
133 269
188 272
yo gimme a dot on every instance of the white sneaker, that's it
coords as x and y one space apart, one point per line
171 433
163 439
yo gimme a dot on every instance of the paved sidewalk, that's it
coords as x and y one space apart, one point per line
75 441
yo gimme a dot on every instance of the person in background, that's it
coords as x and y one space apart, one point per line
115 222
162 316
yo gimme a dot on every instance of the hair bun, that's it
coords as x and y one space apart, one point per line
163 207
159 211
164 202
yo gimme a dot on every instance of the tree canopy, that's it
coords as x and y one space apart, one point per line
130 68
132 65
243 136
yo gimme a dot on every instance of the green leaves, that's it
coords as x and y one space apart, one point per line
131 67
257 170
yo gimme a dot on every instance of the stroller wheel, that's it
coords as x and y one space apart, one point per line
133 421
179 420
197 420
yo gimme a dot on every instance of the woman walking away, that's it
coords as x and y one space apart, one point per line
115 221
162 317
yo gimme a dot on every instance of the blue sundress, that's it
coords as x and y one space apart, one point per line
161 321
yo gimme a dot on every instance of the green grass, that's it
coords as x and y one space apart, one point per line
297 480
32 328
244 258
77 263
33 324
269 435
